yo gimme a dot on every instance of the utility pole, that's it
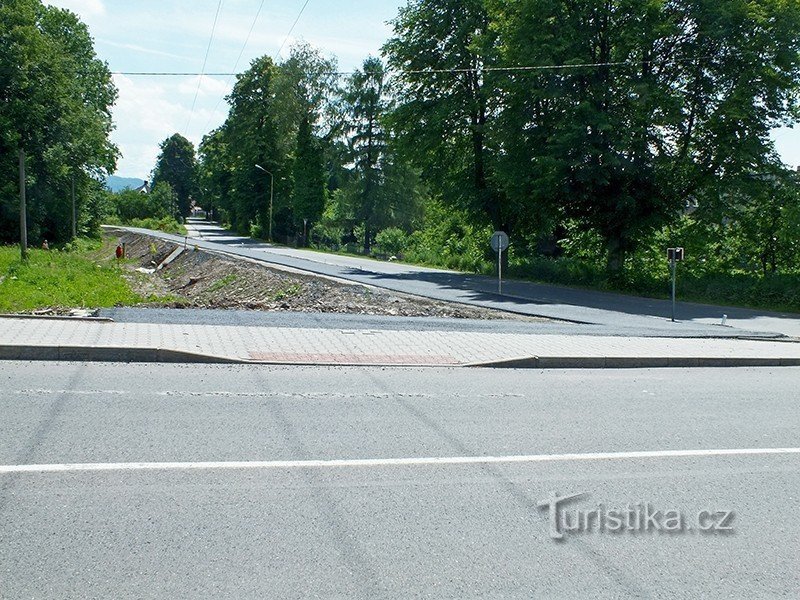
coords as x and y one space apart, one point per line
74 210
23 208
271 192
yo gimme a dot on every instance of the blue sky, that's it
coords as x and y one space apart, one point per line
173 35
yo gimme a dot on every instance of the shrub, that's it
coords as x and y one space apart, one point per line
391 241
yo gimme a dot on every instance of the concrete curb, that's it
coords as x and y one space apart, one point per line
165 355
632 362
110 354
58 318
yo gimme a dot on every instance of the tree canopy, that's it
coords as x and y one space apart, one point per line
55 104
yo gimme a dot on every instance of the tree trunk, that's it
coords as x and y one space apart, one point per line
615 259
367 240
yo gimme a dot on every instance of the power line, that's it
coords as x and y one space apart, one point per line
512 69
238 58
202 70
291 29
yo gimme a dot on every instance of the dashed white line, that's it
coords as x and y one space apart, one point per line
386 462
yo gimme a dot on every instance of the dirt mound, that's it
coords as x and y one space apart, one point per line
200 279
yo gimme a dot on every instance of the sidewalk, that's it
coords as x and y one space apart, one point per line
93 340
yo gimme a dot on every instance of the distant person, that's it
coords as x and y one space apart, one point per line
45 245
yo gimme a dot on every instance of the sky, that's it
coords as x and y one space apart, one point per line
174 35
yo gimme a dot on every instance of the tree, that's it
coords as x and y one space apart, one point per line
444 112
308 194
304 87
365 105
177 166
215 172
658 103
159 203
251 136
55 100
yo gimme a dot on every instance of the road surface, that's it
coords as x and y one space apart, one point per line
616 311
159 481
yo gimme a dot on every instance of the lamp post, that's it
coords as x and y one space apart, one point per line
271 189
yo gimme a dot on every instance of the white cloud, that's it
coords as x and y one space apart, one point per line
84 8
141 49
144 116
209 86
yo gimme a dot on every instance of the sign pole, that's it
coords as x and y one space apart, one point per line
673 264
500 271
499 242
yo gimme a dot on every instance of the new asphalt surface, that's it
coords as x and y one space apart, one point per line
374 498
616 311
251 318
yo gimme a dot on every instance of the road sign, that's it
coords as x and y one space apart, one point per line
499 241
676 254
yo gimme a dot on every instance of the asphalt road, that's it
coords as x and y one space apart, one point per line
630 314
253 318
406 511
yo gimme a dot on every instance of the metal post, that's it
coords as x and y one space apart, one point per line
271 189
74 211
500 271
23 208
271 193
673 264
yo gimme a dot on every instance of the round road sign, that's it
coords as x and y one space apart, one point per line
499 241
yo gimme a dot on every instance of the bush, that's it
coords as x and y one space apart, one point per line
391 241
165 224
448 239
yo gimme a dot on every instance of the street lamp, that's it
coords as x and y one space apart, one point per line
271 188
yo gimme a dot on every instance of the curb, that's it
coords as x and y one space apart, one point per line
632 362
110 354
58 318
165 355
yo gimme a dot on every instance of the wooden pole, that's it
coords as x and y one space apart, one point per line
23 208
74 211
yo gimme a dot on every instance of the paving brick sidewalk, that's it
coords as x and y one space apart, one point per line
26 338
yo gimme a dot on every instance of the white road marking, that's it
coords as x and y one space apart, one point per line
385 462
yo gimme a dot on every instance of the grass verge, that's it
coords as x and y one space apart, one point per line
82 275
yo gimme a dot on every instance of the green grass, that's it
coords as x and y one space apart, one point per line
221 283
289 292
77 278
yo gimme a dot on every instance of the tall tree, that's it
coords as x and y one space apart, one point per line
657 102
177 166
308 194
365 106
55 101
305 85
215 172
252 137
445 97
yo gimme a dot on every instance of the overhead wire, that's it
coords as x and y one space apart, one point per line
510 69
236 64
291 29
202 70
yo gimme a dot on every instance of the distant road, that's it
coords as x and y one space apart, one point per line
557 302
391 483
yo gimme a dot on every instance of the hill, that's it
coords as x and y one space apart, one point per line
117 184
